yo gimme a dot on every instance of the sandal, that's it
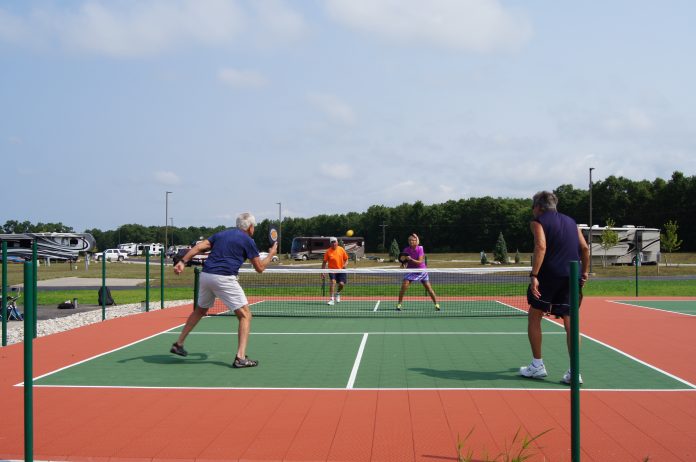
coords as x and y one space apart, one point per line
178 350
246 362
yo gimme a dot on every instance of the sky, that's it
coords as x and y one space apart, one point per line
331 106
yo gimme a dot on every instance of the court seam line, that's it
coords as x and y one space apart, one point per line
376 306
564 389
618 302
640 361
356 364
369 332
21 384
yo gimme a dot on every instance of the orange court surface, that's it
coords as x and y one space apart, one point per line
368 420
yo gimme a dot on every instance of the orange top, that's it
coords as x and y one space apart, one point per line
336 258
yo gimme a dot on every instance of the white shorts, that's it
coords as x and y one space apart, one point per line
226 288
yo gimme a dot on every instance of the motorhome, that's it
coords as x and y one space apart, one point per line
130 247
314 247
634 242
56 246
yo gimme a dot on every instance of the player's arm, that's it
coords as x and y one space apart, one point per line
323 266
200 247
260 265
584 258
538 258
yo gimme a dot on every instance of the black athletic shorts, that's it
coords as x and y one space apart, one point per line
555 296
339 277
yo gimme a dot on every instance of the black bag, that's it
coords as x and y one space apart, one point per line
105 295
67 305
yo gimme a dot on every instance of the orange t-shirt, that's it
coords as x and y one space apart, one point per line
336 258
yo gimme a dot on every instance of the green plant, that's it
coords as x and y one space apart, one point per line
484 258
500 253
609 239
670 241
510 454
394 250
518 258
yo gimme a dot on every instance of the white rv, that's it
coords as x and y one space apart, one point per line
634 241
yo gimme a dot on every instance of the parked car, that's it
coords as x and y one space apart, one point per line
197 260
112 255
263 255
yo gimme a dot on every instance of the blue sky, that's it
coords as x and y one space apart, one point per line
331 106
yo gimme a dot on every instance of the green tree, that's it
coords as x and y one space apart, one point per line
500 253
609 239
670 241
518 258
394 250
484 258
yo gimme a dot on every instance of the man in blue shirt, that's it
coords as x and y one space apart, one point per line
557 242
228 250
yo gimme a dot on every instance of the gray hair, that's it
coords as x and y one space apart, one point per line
545 200
245 221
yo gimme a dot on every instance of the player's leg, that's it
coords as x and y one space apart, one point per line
404 287
534 318
206 298
244 316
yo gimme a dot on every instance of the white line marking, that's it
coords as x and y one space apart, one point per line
377 305
371 333
626 303
356 364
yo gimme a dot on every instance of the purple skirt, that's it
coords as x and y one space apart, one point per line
413 277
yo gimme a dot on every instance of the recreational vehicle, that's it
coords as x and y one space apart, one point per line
56 246
634 242
314 247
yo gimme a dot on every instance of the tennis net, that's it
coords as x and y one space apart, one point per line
374 292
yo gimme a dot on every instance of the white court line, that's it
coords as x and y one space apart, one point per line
631 357
21 384
651 308
356 364
371 333
377 305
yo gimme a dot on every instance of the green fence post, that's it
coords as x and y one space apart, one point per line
147 278
162 280
35 278
4 293
103 289
28 360
637 262
196 282
574 362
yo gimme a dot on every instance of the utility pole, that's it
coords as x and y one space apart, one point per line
280 226
384 229
590 233
166 217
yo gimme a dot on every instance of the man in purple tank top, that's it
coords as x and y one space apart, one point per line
557 242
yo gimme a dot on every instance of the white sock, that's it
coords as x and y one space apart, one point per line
537 362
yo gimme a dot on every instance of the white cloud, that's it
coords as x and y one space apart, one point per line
242 78
632 120
337 171
278 22
167 178
472 25
333 107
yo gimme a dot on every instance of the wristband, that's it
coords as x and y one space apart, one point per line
532 275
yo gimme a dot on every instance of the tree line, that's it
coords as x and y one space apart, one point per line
464 225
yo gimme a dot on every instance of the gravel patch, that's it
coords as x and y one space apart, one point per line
15 329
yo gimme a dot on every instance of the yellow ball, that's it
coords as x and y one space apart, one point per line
349 233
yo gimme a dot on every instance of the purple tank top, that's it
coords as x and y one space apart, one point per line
562 244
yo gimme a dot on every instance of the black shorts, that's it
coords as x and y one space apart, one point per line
341 278
555 296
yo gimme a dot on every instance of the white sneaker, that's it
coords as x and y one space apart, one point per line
338 298
330 302
566 377
535 372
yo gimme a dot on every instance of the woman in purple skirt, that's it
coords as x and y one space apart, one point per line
413 256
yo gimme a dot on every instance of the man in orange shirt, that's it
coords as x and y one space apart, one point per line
336 257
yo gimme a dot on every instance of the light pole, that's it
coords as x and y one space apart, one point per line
590 233
171 223
280 226
166 217
384 229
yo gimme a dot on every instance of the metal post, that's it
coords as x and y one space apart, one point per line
280 227
103 289
35 277
29 335
166 216
196 282
384 229
171 225
590 233
147 278
574 362
161 280
4 293
637 262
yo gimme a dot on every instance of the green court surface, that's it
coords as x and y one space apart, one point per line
675 306
380 353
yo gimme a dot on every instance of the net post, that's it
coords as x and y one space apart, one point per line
147 278
196 283
4 293
161 280
29 335
637 262
103 287
574 362
35 277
